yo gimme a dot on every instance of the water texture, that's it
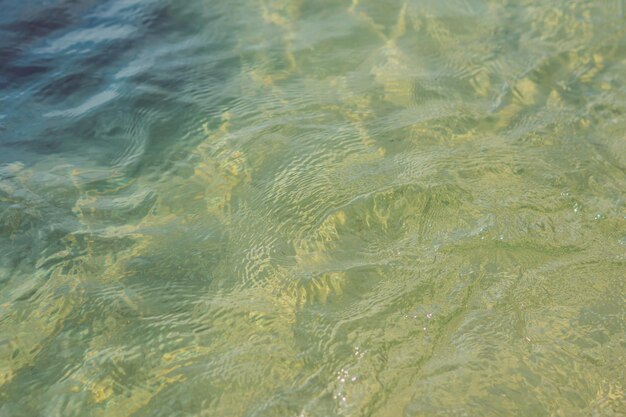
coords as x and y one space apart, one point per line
312 208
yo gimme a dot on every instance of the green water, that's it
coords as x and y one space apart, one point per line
379 208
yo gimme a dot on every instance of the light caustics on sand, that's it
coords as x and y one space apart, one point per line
317 208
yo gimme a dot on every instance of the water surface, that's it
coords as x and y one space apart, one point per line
312 208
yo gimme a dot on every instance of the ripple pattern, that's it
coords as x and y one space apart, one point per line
312 208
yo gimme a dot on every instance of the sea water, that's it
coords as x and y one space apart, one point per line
312 208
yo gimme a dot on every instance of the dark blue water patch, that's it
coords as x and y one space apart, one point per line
22 26
68 85
84 44
70 68
30 23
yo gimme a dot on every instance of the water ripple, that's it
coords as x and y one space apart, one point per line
299 208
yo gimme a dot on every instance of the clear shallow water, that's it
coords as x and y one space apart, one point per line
312 208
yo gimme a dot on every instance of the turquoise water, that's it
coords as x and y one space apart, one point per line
312 208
